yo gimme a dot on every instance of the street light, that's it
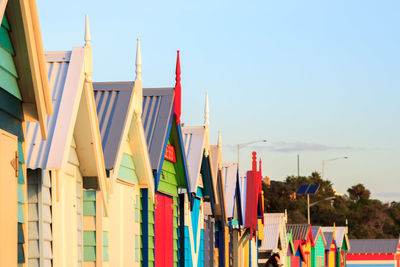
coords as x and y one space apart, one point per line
239 146
325 161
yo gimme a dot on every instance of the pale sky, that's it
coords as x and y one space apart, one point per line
315 78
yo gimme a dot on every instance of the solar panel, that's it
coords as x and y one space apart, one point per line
312 189
307 189
302 189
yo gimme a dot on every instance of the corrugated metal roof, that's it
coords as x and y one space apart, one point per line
156 116
193 140
243 192
274 224
38 151
315 230
112 101
329 238
373 245
230 171
271 218
297 230
271 235
339 234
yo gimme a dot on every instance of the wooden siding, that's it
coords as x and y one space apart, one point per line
193 226
90 230
209 244
40 248
124 225
8 194
318 253
169 185
8 72
146 229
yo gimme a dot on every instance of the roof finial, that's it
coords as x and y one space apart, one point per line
138 61
219 139
334 230
254 158
259 162
206 112
177 100
87 31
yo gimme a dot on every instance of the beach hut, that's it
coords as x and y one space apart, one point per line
24 96
373 252
220 216
339 235
275 239
66 176
235 243
192 214
298 257
302 236
161 121
290 250
331 250
318 247
119 109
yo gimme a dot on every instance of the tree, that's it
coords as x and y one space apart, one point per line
367 218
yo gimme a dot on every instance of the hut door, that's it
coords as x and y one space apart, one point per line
163 231
8 199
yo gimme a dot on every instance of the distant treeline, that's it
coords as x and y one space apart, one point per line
367 218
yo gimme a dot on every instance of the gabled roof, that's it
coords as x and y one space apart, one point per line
159 126
218 183
29 60
340 234
112 103
115 108
274 225
194 142
66 88
329 239
243 192
74 117
230 174
271 236
298 230
316 233
373 245
157 115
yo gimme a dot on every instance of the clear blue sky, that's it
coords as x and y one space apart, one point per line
316 78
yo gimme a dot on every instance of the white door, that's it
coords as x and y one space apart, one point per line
8 199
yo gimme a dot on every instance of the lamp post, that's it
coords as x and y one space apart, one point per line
325 161
239 146
314 203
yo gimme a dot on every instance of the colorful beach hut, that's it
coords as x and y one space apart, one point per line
373 252
192 214
234 214
275 239
161 121
290 250
251 201
339 235
119 108
220 216
302 236
318 247
24 96
66 176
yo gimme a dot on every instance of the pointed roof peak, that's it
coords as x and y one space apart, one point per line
138 61
87 31
219 139
177 100
206 112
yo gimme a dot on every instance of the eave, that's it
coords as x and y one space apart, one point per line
29 60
